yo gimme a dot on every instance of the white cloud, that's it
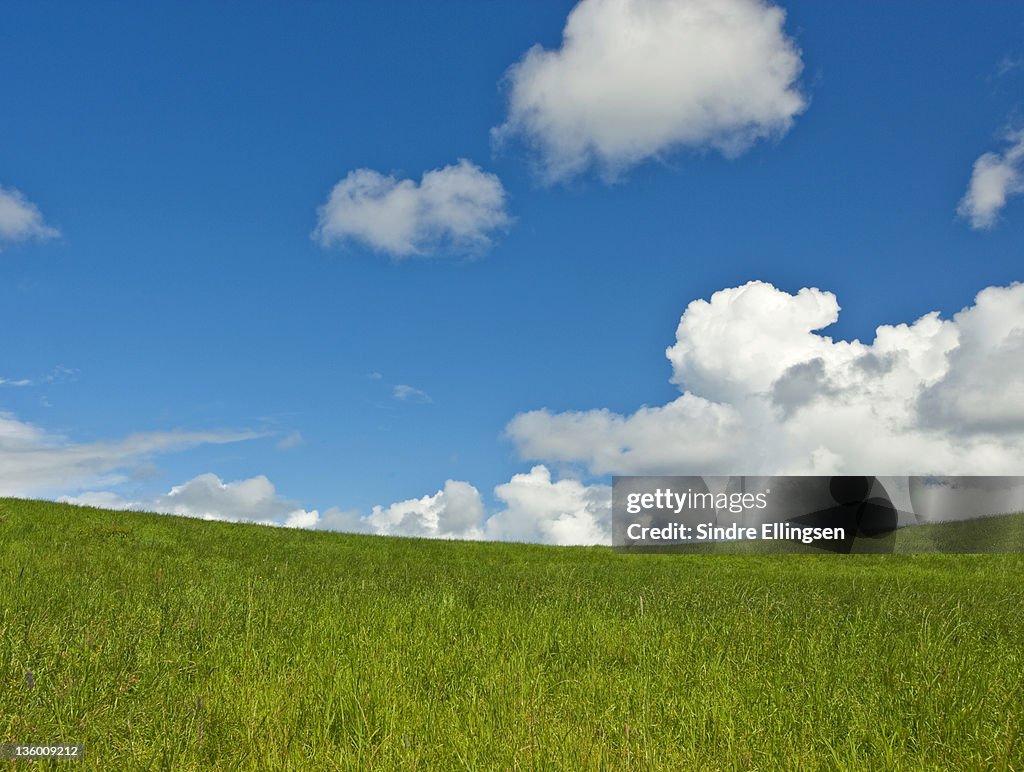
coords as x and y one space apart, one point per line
994 179
455 512
406 393
98 499
561 512
20 219
456 208
764 393
688 433
635 79
35 462
208 497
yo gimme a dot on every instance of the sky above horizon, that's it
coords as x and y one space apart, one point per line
443 269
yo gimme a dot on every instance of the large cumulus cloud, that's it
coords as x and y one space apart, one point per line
765 392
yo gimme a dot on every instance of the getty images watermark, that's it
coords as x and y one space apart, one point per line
838 514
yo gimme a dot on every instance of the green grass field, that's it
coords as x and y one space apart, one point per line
169 643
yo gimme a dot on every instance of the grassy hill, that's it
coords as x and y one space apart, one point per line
166 642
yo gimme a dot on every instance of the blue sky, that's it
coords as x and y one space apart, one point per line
182 152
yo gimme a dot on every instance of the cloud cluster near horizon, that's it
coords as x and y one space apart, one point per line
995 177
20 219
763 392
535 509
636 79
459 207
207 497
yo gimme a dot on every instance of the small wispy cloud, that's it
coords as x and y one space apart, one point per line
1008 64
405 393
994 179
58 374
20 219
34 461
290 440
